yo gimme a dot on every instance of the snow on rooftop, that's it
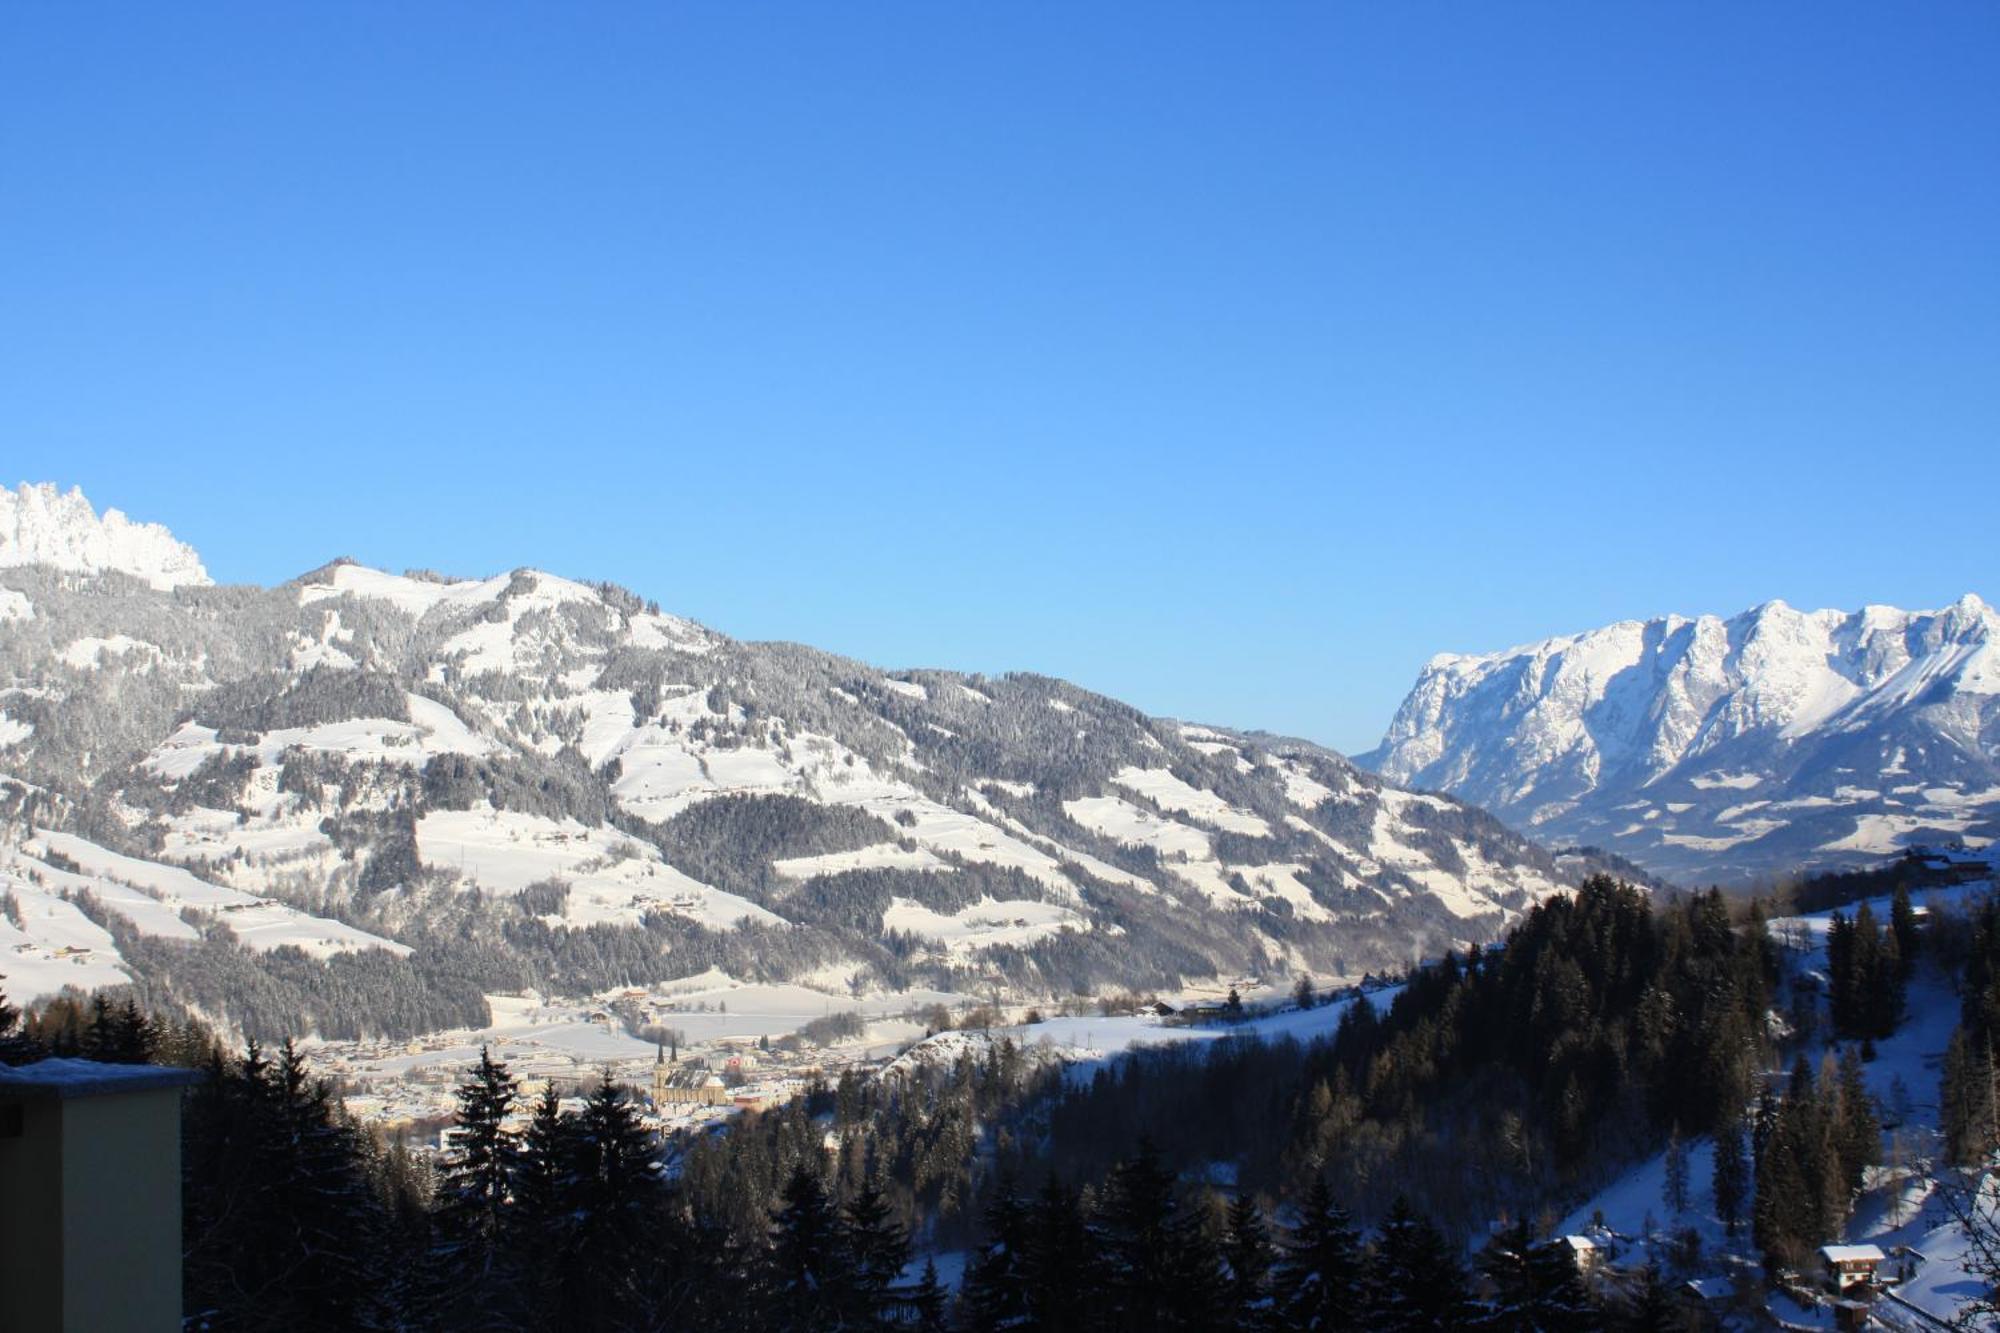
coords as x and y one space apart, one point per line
65 1078
1852 1254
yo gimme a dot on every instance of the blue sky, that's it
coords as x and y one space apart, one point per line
1229 358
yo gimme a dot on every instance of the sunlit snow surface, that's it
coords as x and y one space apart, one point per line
40 525
1636 736
611 877
56 945
152 897
1086 1041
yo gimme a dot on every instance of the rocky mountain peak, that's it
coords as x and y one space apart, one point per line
41 525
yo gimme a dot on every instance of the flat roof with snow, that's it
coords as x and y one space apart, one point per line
65 1078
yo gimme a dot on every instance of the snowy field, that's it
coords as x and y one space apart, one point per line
55 945
1170 793
983 924
1087 1041
576 1037
432 730
611 877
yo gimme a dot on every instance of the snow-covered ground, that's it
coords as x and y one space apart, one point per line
53 945
575 1037
153 896
985 923
881 856
1170 793
611 877
1085 1041
432 730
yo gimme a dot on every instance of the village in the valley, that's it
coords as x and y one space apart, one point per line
705 1048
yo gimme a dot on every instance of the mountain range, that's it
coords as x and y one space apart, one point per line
360 801
1724 750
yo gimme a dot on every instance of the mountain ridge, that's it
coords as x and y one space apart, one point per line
1740 747
41 525
524 780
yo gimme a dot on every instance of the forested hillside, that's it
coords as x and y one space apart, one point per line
1402 1171
1152 1195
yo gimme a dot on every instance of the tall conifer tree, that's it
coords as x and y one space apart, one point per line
1321 1283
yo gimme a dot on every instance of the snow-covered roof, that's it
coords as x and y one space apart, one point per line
1712 1288
1851 1254
1579 1242
65 1078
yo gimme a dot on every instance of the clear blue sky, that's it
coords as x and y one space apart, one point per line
1229 358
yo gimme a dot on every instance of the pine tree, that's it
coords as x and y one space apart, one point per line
1857 1128
1845 988
1731 1183
878 1246
16 1048
283 1218
1888 988
808 1281
1507 1267
475 1182
540 1229
1248 1253
616 1204
1965 1101
1196 1281
1802 1192
138 1035
927 1302
1054 1266
1675 1190
1136 1238
1415 1281
1320 1285
995 1293
1765 1124
1903 924
228 1216
1653 1309
336 1222
100 1035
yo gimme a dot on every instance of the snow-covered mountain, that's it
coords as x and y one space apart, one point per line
529 781
40 525
1724 749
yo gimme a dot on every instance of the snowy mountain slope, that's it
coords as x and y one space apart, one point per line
526 780
1724 749
40 525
